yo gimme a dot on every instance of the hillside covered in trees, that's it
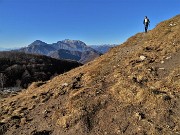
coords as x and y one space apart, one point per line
19 69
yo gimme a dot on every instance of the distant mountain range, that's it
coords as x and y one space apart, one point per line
7 49
102 48
65 49
3 49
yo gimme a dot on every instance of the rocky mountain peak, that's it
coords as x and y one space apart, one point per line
68 41
69 46
38 43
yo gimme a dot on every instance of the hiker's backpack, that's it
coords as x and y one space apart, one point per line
146 21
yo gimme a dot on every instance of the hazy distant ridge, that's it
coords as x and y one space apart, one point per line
65 49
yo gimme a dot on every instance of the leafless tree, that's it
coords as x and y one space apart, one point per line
2 79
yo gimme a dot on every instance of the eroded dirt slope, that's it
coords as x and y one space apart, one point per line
133 89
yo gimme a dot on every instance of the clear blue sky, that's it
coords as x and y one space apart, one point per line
92 21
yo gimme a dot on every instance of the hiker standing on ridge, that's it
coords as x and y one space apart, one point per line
146 23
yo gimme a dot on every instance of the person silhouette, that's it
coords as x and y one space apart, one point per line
146 23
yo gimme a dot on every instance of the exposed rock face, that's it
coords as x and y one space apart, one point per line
118 93
72 45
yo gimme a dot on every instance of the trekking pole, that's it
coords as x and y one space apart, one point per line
144 28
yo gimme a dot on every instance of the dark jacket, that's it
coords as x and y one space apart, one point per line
146 21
